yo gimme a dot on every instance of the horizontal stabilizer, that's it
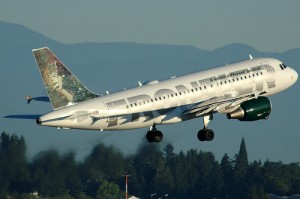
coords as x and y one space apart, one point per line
28 117
40 99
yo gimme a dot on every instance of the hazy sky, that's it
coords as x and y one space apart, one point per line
268 25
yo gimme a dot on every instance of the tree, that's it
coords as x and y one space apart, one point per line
147 164
241 161
108 190
103 162
210 180
227 170
257 193
240 170
180 170
168 153
14 172
54 174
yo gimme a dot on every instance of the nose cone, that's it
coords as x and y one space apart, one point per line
294 76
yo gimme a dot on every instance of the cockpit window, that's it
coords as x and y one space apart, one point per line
282 66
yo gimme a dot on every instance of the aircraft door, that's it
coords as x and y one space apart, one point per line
271 74
110 110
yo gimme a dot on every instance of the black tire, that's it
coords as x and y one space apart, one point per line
158 136
201 135
150 136
205 135
209 135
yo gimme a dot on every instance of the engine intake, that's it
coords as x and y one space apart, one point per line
252 110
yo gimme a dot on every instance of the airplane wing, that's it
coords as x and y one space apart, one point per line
221 104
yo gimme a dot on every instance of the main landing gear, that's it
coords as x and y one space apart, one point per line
153 135
206 134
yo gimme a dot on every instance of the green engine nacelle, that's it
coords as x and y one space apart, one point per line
252 110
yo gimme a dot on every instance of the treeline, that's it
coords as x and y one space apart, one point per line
153 172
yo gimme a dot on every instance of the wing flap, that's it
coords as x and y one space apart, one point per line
216 104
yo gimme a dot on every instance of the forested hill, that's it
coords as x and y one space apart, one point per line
194 174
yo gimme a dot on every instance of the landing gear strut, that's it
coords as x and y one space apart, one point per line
153 135
206 134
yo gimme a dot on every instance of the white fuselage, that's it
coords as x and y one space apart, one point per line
170 101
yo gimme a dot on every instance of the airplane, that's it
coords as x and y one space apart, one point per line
239 90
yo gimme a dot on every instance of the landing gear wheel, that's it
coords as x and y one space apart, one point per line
154 135
158 136
209 135
150 137
206 135
201 135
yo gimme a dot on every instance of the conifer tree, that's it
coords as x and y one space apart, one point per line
240 170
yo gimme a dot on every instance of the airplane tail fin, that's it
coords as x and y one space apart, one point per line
62 86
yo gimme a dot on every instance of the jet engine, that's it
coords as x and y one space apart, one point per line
252 110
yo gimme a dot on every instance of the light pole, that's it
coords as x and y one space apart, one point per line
126 184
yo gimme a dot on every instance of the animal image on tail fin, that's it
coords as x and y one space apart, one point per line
62 86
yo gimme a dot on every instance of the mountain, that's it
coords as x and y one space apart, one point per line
113 66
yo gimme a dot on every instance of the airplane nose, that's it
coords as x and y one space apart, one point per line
294 75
